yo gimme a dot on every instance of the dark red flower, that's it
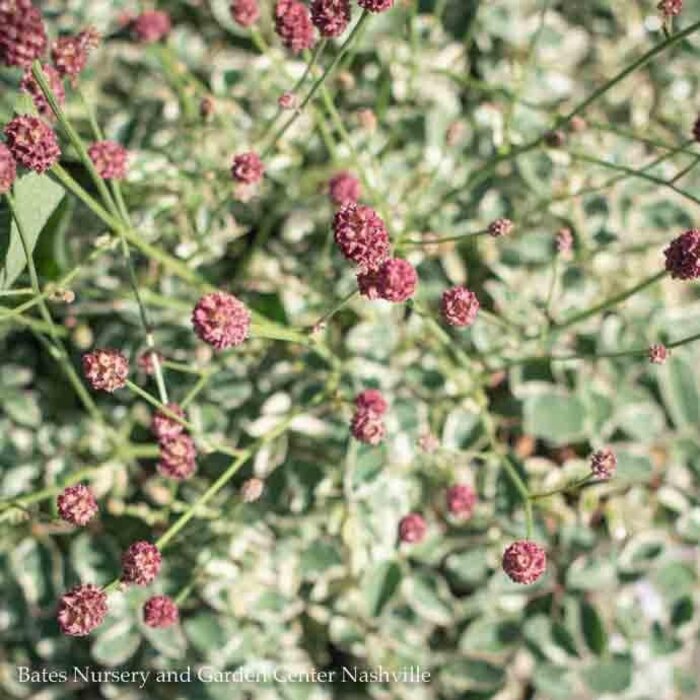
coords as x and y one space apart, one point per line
145 361
603 464
247 168
31 87
368 284
343 188
160 611
245 12
140 563
376 5
500 227
412 528
396 280
178 457
461 499
683 256
69 55
22 33
105 369
368 427
8 169
459 306
152 26
110 159
361 235
81 610
670 8
77 505
32 143
524 561
293 25
221 320
330 17
163 426
287 100
371 400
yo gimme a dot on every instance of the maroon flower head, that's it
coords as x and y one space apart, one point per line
683 256
670 8
164 427
247 168
140 563
293 25
178 457
105 369
77 505
330 17
110 159
152 26
252 489
412 528
371 400
603 464
564 240
81 610
461 499
524 561
160 611
361 235
368 427
555 139
657 354
32 143
287 100
221 320
145 361
459 306
8 169
245 12
500 227
376 5
22 33
69 55
343 188
31 87
396 280
368 284
90 38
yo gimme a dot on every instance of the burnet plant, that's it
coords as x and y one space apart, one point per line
388 265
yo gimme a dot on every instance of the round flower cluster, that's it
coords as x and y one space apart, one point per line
81 610
330 17
31 87
32 143
683 256
163 426
412 528
110 159
145 361
22 34
8 169
460 500
105 369
343 188
696 129
376 5
245 12
247 168
657 354
396 280
367 423
140 563
287 101
69 54
670 8
152 26
160 611
77 505
500 227
361 235
294 26
524 561
221 320
178 457
459 306
603 464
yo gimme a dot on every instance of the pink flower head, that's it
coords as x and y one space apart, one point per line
140 563
500 227
683 256
152 26
524 561
461 499
361 235
330 17
32 143
105 369
145 361
178 457
245 12
459 306
293 25
163 426
252 489
368 427
376 5
247 168
77 505
371 400
603 464
221 320
343 188
8 169
69 55
287 100
368 284
397 280
657 354
670 8
412 528
160 611
31 87
110 159
81 610
22 33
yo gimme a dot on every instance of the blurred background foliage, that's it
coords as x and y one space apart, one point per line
311 574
